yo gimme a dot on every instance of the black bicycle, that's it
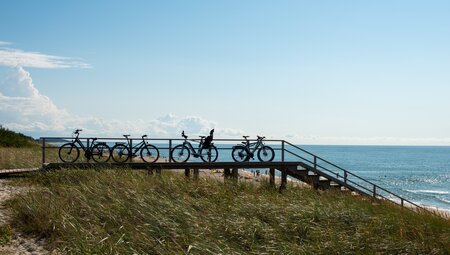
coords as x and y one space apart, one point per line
246 151
206 149
121 151
69 152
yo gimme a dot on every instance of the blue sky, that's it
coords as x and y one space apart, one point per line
315 72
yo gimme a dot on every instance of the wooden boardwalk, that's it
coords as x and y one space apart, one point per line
7 172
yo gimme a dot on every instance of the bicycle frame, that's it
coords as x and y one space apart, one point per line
136 148
191 148
88 146
252 147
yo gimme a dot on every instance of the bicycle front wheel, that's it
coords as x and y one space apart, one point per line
240 154
100 153
68 153
266 154
209 154
120 153
149 153
180 153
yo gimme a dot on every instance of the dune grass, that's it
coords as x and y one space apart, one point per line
126 212
20 157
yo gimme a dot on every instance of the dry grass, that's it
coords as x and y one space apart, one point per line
126 212
11 158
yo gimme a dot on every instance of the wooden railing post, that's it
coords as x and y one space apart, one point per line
87 147
345 176
131 150
43 152
282 151
315 162
375 191
170 150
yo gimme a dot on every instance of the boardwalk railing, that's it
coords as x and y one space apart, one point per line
284 152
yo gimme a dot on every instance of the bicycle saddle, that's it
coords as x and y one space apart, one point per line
144 136
201 136
126 136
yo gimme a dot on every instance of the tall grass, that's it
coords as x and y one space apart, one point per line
20 157
126 212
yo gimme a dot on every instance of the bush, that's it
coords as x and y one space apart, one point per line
10 138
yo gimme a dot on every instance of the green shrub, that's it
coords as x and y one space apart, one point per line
10 138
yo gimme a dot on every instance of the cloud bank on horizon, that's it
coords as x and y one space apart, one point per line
24 108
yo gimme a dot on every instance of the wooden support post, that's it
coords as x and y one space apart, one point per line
226 173
196 173
283 179
187 172
235 173
272 176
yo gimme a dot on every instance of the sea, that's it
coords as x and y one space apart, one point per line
420 174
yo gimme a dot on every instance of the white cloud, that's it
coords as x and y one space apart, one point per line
25 109
16 57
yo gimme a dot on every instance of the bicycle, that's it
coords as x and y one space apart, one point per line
206 150
69 152
121 151
241 153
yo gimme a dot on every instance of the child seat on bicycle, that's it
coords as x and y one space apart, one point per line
208 140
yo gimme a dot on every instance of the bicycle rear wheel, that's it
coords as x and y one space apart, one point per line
101 152
240 154
149 153
68 153
120 153
209 154
266 154
180 153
